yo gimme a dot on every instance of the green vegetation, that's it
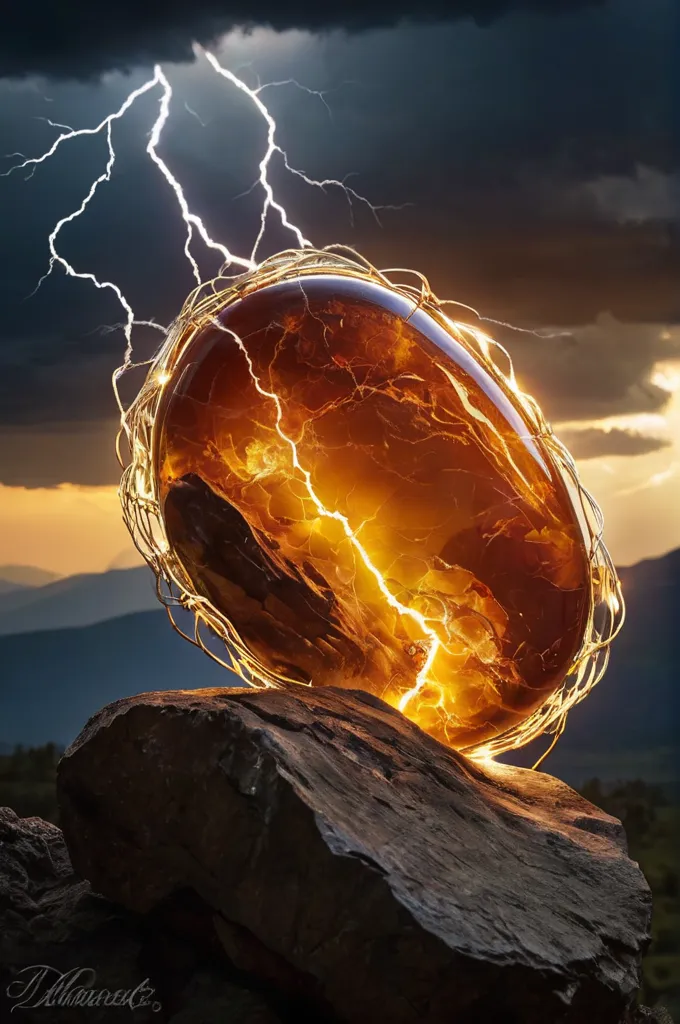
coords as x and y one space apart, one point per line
652 824
651 819
27 781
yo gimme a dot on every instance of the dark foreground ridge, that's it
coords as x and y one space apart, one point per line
272 857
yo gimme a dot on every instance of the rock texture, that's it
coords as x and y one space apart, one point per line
49 916
643 1015
356 867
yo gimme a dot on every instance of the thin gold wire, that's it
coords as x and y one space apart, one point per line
143 516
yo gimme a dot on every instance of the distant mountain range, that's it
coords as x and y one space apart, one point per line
53 679
22 577
52 682
77 600
639 693
629 726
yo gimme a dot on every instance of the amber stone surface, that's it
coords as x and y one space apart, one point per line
365 504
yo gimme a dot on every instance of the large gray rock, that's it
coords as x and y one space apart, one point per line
354 863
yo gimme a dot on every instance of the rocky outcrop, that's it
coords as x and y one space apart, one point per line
643 1015
354 867
50 917
61 944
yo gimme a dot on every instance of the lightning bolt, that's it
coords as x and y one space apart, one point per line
55 256
190 219
543 335
402 609
195 231
55 124
194 224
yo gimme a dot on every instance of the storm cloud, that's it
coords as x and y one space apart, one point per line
583 374
45 457
82 39
646 195
594 442
516 137
596 371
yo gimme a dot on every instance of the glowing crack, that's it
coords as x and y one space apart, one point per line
286 348
351 534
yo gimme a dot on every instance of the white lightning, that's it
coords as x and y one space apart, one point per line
655 480
54 124
190 110
350 193
542 334
270 202
193 223
33 161
319 93
190 219
55 256
274 148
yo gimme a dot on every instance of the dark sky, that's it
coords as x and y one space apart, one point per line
539 153
78 40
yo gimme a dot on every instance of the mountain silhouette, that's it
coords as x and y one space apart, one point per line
52 681
78 601
23 577
628 726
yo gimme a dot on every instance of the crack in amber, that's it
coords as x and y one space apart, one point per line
308 510
367 506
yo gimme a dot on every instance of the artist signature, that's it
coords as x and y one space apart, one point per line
41 985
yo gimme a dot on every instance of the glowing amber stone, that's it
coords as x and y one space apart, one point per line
365 504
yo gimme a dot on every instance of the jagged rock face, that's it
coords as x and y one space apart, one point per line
643 1015
356 864
49 916
52 927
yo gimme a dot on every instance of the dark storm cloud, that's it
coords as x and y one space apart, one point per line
517 145
595 371
593 443
647 195
599 370
81 39
38 456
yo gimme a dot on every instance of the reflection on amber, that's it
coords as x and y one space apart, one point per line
364 503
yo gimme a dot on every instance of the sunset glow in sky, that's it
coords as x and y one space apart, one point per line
71 528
